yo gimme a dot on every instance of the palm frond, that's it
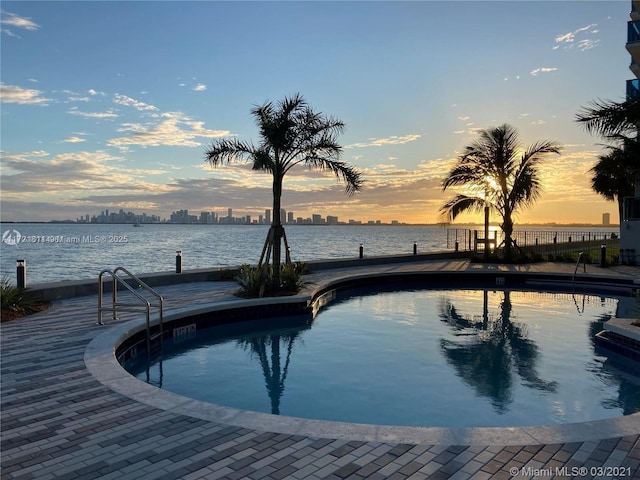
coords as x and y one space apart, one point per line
460 204
536 152
464 173
605 117
228 151
351 177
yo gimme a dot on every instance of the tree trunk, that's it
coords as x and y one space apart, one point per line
620 209
276 225
507 229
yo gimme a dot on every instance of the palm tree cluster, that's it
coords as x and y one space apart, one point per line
616 172
502 177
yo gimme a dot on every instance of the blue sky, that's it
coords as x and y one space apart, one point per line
109 105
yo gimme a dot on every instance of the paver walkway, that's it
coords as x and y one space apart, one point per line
60 422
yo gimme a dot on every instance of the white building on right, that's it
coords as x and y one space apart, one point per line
630 222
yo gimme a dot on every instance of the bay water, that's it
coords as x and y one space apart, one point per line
57 251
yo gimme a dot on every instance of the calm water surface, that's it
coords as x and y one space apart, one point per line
76 251
417 358
80 251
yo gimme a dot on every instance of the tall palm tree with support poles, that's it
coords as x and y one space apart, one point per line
500 176
291 134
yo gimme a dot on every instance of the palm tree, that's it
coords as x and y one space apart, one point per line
291 134
616 173
607 118
499 175
613 176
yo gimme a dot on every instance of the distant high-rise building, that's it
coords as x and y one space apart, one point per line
283 216
267 216
606 219
230 214
290 218
331 220
316 219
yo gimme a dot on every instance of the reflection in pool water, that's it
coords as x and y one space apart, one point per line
415 358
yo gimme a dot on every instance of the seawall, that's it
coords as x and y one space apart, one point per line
75 288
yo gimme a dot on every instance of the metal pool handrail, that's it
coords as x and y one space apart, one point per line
581 256
117 280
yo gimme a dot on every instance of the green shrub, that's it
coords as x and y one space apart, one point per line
15 302
254 281
258 281
291 277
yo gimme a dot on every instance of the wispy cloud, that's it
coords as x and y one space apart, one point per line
471 130
74 139
570 40
130 102
107 115
16 21
23 96
542 70
75 96
93 92
201 87
380 142
174 129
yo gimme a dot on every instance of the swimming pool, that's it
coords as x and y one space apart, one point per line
413 357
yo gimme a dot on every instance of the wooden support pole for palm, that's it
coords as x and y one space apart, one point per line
268 246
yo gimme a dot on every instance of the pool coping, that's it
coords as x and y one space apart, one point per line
100 360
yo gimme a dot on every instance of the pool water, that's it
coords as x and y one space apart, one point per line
448 358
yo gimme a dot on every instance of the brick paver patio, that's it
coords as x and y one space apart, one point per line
58 421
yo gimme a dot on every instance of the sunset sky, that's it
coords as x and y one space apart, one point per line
109 105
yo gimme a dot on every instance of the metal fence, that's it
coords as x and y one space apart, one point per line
550 244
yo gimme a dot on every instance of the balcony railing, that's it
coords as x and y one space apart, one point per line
633 31
633 88
631 208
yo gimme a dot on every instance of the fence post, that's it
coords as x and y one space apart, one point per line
21 273
178 261
603 255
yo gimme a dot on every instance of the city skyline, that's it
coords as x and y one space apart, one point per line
183 216
210 217
89 125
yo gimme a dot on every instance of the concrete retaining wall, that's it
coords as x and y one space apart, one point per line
75 288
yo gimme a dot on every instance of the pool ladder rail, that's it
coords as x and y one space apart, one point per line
130 307
581 258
